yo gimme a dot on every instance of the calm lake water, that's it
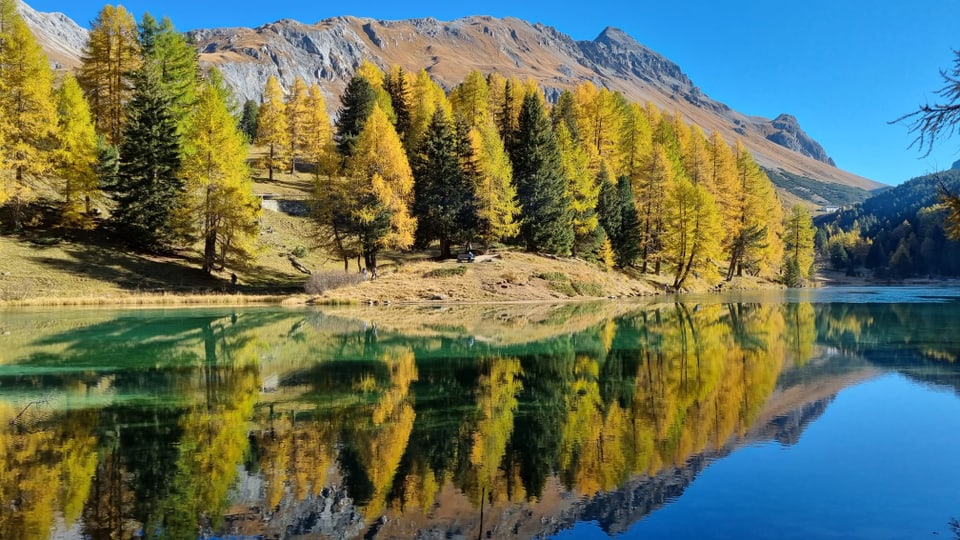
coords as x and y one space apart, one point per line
831 413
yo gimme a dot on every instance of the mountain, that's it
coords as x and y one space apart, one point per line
329 51
61 38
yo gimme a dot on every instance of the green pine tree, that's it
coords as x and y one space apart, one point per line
148 183
541 186
356 104
443 193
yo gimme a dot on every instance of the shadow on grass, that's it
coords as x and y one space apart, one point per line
140 273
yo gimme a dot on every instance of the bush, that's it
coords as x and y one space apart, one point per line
446 272
563 287
327 280
299 252
587 289
554 276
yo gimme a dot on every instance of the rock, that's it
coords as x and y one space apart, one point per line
785 131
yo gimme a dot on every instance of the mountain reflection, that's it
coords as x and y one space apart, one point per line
271 423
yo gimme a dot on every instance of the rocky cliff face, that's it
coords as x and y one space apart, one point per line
329 51
60 37
785 131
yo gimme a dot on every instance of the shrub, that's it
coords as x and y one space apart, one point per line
584 288
327 280
299 252
446 272
563 287
554 276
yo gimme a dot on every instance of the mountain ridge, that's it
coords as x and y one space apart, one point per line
329 51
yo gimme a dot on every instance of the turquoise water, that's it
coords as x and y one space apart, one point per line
829 413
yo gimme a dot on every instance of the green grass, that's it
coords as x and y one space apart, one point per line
554 277
452 271
584 288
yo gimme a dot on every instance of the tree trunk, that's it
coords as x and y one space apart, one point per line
209 251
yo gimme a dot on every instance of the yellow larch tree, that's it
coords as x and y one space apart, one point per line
377 79
383 182
692 242
110 59
599 118
218 203
28 113
272 129
297 108
582 191
755 244
723 176
696 161
497 207
471 99
636 141
318 137
76 153
427 96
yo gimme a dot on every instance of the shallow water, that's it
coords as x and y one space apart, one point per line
829 413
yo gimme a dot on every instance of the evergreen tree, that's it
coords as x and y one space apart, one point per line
272 129
111 60
609 206
564 112
28 114
148 184
443 191
248 119
76 153
218 204
541 186
628 243
397 86
174 58
427 97
356 104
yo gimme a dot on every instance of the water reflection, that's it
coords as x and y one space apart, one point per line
285 423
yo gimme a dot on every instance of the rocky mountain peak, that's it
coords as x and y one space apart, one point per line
785 130
60 37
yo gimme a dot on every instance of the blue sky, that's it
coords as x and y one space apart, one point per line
844 68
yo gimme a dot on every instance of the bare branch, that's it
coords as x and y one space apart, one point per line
931 122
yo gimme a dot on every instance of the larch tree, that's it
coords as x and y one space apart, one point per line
541 185
444 204
427 96
383 183
28 114
636 140
76 153
218 205
723 177
356 103
148 182
498 210
599 120
110 61
798 252
297 111
659 172
471 99
272 128
318 134
582 192
693 234
378 79
754 243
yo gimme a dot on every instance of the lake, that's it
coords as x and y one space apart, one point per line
820 413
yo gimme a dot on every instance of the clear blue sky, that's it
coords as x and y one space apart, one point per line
844 68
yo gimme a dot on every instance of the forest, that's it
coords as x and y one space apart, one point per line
900 233
145 144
